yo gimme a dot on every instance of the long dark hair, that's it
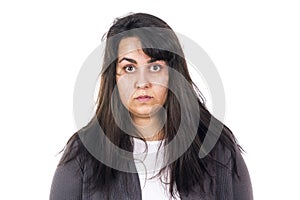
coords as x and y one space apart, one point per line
189 170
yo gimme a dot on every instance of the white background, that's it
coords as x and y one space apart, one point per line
255 46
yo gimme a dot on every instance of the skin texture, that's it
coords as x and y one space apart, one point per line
143 86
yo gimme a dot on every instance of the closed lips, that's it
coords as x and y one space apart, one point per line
143 97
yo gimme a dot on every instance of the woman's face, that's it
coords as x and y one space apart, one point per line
142 82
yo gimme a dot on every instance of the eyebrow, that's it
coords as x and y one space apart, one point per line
128 59
133 61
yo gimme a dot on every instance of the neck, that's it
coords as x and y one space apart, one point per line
150 128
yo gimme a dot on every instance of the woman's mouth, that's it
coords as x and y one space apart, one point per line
144 98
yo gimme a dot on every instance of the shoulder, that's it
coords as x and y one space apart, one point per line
68 178
232 173
226 154
73 150
229 157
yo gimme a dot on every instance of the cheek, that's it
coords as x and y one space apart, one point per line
162 93
125 89
162 88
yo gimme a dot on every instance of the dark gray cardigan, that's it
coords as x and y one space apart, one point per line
69 183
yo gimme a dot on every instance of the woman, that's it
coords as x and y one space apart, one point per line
149 128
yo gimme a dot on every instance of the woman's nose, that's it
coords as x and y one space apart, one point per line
142 80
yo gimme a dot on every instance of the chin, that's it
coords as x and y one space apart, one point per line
145 112
142 113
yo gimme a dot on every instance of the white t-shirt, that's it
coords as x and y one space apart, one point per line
148 163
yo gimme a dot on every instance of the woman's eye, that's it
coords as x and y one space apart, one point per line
155 68
129 68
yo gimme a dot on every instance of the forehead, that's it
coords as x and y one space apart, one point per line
129 45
